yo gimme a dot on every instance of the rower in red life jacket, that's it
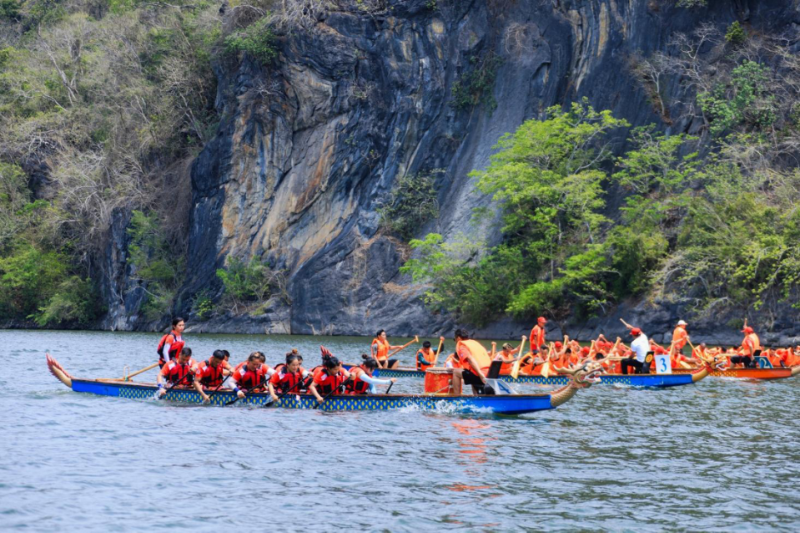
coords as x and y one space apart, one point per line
330 379
426 356
177 372
172 343
289 377
252 377
210 373
361 381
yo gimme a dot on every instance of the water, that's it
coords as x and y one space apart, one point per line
719 455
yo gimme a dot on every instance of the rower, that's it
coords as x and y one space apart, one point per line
507 356
172 343
639 348
751 348
537 333
289 378
362 381
175 371
380 350
426 356
252 376
330 378
210 373
680 336
474 363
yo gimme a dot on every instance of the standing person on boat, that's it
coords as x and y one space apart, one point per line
537 334
426 356
473 364
172 343
210 373
639 348
751 348
252 376
379 349
362 381
680 336
175 372
330 379
290 377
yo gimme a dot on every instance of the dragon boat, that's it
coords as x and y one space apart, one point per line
748 373
633 380
512 404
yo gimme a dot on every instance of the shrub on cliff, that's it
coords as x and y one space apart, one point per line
257 40
247 284
411 204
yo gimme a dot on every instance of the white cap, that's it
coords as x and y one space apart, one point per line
682 323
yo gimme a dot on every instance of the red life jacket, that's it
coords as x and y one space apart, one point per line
249 380
286 381
210 377
176 372
357 385
326 384
175 346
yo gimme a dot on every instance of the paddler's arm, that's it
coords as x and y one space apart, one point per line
199 389
272 391
313 390
477 369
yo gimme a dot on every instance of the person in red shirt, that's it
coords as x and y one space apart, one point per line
176 371
290 377
171 344
210 373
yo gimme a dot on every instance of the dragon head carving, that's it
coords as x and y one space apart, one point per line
585 375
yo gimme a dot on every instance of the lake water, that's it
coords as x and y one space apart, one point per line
721 455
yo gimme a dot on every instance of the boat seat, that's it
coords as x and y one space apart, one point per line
494 369
762 362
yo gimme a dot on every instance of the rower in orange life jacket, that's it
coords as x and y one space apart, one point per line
210 373
474 362
172 343
329 380
361 381
537 333
426 356
506 355
380 348
177 372
289 378
252 376
680 336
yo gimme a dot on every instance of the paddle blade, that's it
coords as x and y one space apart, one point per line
546 369
515 368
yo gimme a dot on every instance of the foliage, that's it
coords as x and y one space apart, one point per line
735 35
744 100
692 3
477 84
248 283
203 305
257 40
154 261
74 302
410 205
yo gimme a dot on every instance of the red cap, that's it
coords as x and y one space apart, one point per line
542 320
585 350
636 331
747 329
559 345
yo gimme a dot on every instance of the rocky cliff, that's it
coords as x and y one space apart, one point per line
309 146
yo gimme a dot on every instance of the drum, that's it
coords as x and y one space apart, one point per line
438 380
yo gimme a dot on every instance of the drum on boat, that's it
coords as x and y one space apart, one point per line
438 380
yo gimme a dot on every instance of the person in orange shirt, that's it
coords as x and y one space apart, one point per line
680 336
506 355
426 356
379 349
537 333
473 364
751 348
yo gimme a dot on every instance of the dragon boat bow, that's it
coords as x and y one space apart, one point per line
499 404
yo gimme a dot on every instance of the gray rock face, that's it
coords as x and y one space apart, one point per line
307 148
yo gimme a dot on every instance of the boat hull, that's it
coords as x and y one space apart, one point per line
632 380
508 405
746 373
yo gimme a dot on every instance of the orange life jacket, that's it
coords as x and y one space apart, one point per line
327 384
477 351
357 385
209 376
428 358
754 340
537 337
175 372
284 381
249 379
175 346
679 337
382 351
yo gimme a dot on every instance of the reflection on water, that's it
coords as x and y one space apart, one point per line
721 455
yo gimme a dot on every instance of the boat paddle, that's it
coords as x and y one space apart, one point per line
518 363
400 349
218 388
189 373
438 351
271 402
145 369
390 387
334 391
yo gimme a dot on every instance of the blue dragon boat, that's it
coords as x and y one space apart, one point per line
500 404
632 380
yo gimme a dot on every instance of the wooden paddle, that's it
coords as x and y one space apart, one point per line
403 347
282 396
218 388
438 351
331 393
189 373
145 369
518 363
